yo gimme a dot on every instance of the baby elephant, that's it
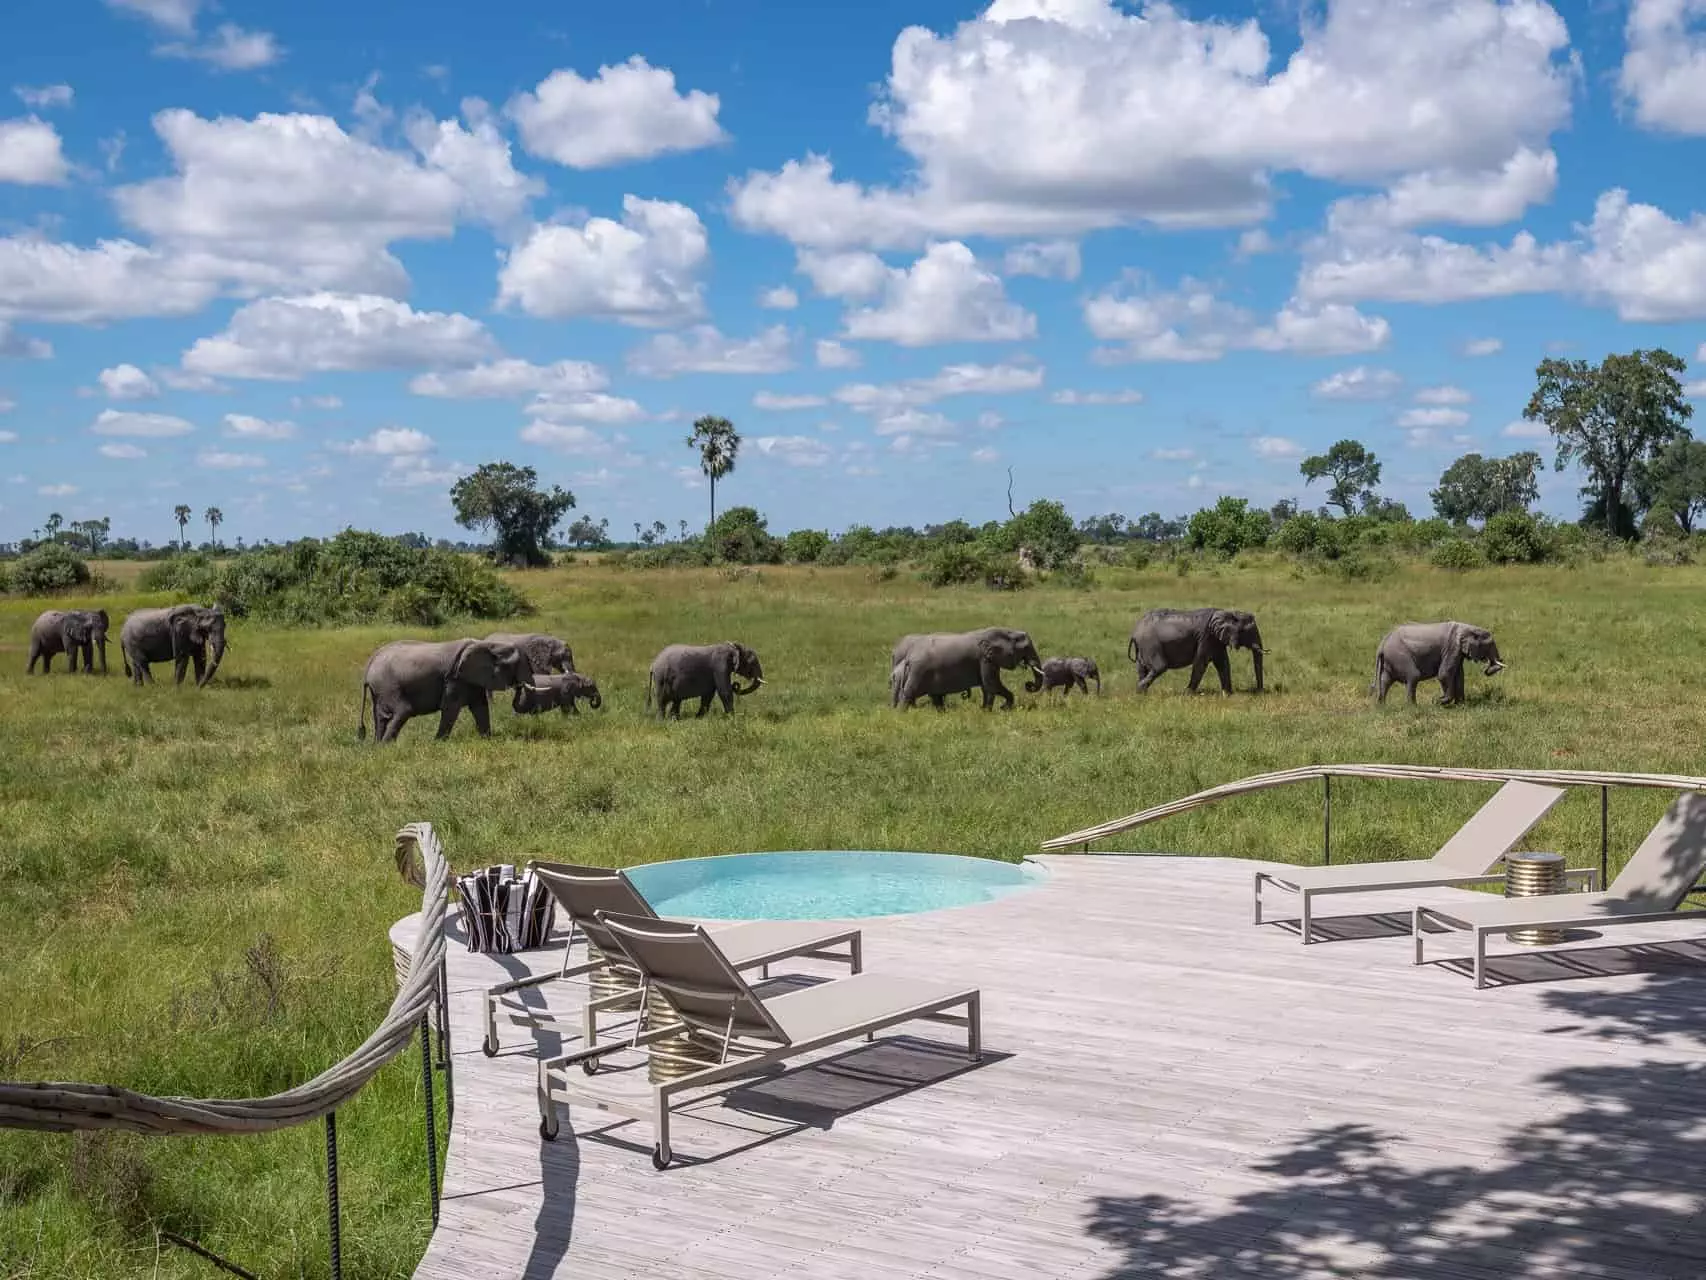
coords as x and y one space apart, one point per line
1064 673
556 691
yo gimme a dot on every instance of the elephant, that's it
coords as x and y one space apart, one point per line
560 691
545 654
1168 638
180 634
1064 673
1419 651
69 631
682 671
934 666
408 678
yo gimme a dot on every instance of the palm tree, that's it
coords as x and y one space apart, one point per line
719 444
55 522
181 513
214 517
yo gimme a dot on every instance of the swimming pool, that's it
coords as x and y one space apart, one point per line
826 885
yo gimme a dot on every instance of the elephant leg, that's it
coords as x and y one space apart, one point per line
938 700
144 672
1410 688
199 658
35 657
727 698
1147 676
395 719
480 707
89 659
1382 684
103 657
180 665
46 663
449 712
1197 668
704 706
1223 669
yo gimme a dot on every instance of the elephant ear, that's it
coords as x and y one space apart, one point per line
105 621
1224 624
475 663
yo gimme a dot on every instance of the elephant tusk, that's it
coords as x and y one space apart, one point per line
757 680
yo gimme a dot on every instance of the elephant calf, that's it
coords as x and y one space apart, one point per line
556 691
1064 673
1194 638
69 631
1420 651
702 671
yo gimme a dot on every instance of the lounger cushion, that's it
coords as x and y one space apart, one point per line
1367 875
1532 911
842 1007
747 944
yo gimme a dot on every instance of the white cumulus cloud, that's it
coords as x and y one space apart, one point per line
1123 396
796 451
1360 383
44 97
1479 347
124 422
1434 417
1664 65
31 153
1443 395
1190 324
833 355
780 298
247 427
123 452
127 382
287 338
945 296
509 378
627 112
639 271
782 403
1275 447
229 48
704 349
220 460
1050 259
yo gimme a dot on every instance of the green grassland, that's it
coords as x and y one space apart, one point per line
150 837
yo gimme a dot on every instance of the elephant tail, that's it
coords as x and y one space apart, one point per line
361 729
1131 649
648 691
124 658
1379 670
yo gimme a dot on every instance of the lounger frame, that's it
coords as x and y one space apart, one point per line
1419 917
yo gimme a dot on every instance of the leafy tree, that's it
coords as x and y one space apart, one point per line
214 517
1611 417
506 499
1283 510
1353 470
1676 481
951 533
1477 488
805 546
660 531
1229 526
585 532
1103 530
742 536
181 514
1385 510
1153 527
55 522
1047 531
719 445
683 524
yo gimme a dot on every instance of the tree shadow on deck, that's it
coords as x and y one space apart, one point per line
1606 1185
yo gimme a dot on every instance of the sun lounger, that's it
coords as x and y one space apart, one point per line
1650 888
582 892
719 1028
1467 858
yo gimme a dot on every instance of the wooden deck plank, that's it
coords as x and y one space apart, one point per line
1170 1091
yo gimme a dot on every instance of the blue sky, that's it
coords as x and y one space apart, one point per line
309 263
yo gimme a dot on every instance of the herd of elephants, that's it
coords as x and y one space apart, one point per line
408 678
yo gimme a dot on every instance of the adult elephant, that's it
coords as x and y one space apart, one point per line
935 666
702 671
547 655
71 632
408 678
1420 651
180 635
1194 638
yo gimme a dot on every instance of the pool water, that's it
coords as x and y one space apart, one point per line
827 885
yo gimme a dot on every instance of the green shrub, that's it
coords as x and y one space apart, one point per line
1307 533
741 536
1456 553
1362 565
1228 527
956 564
5 579
805 546
1074 574
49 567
1516 537
1136 555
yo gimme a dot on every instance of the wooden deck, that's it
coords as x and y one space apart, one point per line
1169 1091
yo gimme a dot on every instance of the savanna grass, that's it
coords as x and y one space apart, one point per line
150 838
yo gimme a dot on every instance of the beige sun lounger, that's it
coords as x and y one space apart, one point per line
1650 888
721 1028
582 892
1467 858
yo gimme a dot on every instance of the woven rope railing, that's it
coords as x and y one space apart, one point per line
1397 772
62 1107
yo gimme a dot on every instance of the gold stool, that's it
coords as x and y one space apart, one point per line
1530 875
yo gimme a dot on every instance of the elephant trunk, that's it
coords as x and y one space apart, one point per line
594 701
751 688
1256 653
1035 683
218 655
1495 664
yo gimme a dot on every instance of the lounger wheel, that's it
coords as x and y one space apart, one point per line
489 1047
548 1129
660 1161
590 1066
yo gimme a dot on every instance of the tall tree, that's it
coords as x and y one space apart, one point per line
1612 418
1477 488
719 445
1353 470
55 522
181 514
96 531
507 500
214 517
1675 480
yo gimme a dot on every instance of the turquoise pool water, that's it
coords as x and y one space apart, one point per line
827 885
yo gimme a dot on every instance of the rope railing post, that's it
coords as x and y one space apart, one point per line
445 1062
431 1116
334 1232
1326 819
1604 834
